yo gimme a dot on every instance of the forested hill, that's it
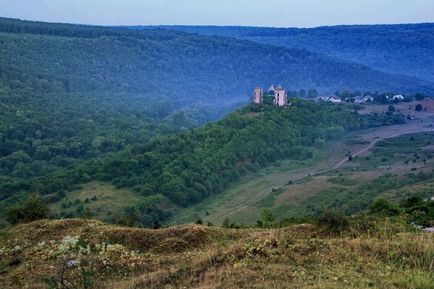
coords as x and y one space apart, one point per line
185 68
185 168
406 49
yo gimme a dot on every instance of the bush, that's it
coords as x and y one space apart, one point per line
385 208
364 223
334 221
412 202
268 220
32 209
226 223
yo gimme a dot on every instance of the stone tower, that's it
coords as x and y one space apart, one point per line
280 96
258 95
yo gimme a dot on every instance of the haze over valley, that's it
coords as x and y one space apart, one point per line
161 154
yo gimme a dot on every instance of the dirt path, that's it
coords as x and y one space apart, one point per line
296 176
373 143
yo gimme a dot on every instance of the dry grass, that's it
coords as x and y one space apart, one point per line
301 256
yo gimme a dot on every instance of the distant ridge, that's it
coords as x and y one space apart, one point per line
406 49
187 67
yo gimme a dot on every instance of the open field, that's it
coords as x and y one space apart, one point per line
404 107
96 199
330 177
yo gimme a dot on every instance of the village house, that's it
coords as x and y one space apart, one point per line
398 97
363 99
333 99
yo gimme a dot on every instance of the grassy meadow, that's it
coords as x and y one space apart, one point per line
392 169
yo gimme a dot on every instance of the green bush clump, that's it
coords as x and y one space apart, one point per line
334 221
34 208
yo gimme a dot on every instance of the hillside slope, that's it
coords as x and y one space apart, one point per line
406 49
91 254
184 168
182 67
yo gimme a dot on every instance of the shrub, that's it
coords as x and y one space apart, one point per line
32 209
226 223
412 201
199 221
268 220
334 221
364 224
385 208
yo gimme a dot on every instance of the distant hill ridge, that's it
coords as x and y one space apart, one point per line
181 66
406 49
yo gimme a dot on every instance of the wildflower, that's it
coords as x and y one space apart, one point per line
68 243
73 263
16 249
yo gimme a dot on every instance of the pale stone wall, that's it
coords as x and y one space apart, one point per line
258 95
280 97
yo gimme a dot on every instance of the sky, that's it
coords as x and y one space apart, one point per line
276 13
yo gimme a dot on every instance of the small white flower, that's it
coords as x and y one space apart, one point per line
16 249
73 263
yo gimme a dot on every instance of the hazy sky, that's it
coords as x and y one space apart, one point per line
282 13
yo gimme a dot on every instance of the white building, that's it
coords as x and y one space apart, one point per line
398 97
334 99
365 99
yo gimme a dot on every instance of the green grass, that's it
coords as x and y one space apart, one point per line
408 150
343 181
354 199
102 200
355 141
309 206
269 200
247 190
244 201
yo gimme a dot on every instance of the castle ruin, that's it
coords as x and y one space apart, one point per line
280 95
258 95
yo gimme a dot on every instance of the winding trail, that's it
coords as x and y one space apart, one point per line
373 143
302 175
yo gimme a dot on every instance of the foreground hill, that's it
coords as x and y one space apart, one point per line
89 254
406 49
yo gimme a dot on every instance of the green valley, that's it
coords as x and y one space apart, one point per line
393 162
137 156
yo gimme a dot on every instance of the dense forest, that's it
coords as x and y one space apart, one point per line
42 126
82 103
177 66
45 127
184 168
406 49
